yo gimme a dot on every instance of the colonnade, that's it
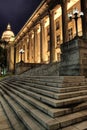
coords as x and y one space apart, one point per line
40 41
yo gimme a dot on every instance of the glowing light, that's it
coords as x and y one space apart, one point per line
47 22
58 13
71 3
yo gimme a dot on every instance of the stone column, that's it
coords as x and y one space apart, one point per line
28 44
64 21
52 35
25 40
42 40
38 46
18 49
32 45
14 58
35 45
11 60
17 54
30 49
27 48
84 19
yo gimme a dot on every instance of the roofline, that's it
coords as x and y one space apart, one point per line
25 25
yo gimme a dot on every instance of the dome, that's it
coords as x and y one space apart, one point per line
8 34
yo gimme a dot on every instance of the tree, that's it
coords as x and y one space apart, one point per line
3 53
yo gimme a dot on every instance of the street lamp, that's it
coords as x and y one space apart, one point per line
21 52
75 16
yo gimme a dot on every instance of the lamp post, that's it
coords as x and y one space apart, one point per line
76 14
21 52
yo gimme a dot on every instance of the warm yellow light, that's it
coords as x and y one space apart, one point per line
32 36
47 22
58 13
38 31
71 3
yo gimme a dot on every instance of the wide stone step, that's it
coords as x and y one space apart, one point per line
79 126
51 88
48 109
25 118
14 121
70 80
41 106
73 118
48 100
60 79
36 114
56 78
46 121
48 93
54 84
4 123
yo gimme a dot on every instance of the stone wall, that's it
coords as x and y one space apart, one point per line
21 67
74 58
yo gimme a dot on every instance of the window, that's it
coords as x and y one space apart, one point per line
70 32
57 25
58 56
58 41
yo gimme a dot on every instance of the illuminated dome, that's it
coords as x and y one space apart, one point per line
8 34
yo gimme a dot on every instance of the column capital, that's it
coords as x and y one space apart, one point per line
50 11
35 29
42 22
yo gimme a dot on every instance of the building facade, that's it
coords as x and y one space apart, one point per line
47 29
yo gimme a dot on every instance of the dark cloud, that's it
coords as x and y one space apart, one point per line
16 12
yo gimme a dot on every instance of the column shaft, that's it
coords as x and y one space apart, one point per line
42 37
52 36
35 45
33 48
84 19
25 49
64 21
14 58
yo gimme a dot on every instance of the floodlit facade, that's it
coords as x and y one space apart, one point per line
47 29
45 26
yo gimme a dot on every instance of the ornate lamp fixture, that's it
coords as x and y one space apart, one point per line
21 52
76 14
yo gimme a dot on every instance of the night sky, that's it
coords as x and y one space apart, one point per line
16 12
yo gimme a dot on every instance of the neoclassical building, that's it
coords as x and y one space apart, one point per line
48 28
8 36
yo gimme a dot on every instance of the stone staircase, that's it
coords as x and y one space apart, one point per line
44 102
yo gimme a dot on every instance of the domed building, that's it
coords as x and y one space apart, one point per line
8 34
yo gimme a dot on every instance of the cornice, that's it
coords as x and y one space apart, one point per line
38 14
